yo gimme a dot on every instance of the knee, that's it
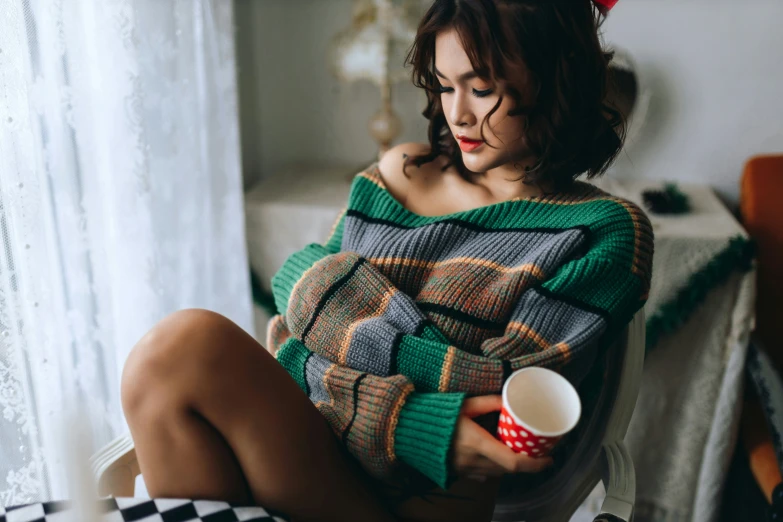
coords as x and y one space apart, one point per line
170 358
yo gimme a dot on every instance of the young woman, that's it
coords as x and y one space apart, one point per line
456 262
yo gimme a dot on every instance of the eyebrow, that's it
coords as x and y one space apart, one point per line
461 78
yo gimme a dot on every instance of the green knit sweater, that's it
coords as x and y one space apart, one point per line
392 322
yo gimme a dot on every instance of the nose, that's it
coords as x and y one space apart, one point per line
461 114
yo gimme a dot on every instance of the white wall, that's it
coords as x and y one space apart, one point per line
715 66
292 108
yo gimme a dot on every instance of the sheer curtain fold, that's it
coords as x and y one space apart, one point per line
120 202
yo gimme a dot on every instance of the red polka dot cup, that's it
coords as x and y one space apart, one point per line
539 407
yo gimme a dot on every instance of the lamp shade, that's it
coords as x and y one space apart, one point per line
373 48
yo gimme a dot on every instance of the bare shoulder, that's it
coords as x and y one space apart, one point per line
394 176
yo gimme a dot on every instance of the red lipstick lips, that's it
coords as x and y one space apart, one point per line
467 144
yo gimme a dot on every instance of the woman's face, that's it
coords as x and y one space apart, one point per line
466 100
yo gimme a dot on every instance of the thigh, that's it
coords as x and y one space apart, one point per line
199 377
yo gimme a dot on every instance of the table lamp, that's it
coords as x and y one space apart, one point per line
381 32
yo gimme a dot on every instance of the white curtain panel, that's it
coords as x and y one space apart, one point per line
120 202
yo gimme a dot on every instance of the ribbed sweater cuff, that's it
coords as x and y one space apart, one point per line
292 271
424 433
293 355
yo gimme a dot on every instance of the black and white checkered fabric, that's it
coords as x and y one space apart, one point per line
142 510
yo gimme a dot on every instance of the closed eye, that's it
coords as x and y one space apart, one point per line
476 93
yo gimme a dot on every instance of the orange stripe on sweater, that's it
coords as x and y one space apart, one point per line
295 288
524 330
345 344
373 179
325 381
335 225
395 417
633 212
565 350
526 268
448 363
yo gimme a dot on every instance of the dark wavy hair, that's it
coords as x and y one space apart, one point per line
547 55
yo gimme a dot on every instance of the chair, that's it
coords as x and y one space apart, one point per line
603 456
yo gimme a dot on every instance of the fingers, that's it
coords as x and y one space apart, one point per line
476 406
484 467
510 461
480 466
477 452
533 465
498 453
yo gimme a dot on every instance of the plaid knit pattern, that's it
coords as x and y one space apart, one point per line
396 302
343 394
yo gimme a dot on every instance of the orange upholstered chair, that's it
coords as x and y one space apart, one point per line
761 205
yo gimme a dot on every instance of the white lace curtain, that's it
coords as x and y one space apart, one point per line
120 202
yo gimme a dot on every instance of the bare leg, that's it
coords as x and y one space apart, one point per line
214 416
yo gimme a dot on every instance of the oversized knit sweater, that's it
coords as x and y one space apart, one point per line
398 317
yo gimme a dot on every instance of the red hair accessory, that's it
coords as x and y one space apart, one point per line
606 4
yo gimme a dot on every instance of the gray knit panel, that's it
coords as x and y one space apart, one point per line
372 341
444 241
371 347
314 373
403 314
557 321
